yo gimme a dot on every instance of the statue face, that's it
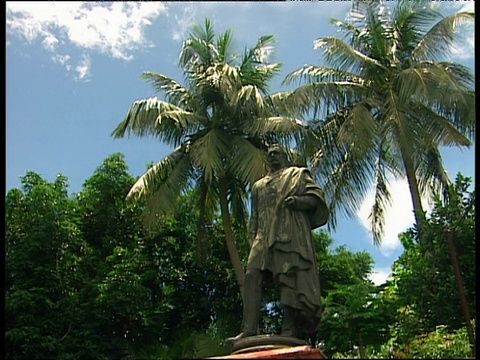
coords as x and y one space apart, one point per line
276 158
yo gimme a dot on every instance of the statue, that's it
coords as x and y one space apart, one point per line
286 205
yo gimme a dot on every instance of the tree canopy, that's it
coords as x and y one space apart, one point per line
386 104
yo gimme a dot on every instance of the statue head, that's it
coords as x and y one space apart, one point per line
277 157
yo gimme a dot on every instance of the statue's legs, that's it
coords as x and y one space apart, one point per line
252 301
289 324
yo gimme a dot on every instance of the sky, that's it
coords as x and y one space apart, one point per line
73 68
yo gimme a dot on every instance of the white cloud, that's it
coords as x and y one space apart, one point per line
113 28
398 217
62 59
379 275
83 68
464 48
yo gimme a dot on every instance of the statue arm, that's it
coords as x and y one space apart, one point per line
309 198
302 202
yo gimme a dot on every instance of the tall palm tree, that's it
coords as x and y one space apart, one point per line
386 104
219 123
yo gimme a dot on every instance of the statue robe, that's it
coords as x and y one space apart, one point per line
281 241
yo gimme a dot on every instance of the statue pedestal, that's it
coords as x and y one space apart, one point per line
272 347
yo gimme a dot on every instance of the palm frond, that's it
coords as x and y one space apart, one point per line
346 177
141 119
282 103
397 126
439 130
184 122
413 19
443 83
198 49
433 179
247 161
277 125
359 130
208 152
255 67
161 185
346 27
206 34
224 43
417 16
328 96
229 81
259 53
375 37
251 100
348 182
312 73
175 93
207 196
156 175
412 83
438 42
459 74
381 200
343 57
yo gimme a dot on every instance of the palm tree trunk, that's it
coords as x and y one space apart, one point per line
461 291
413 186
230 239
202 237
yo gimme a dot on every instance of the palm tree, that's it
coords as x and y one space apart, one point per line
386 104
219 123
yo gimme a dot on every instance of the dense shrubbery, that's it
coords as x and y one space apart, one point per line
84 281
438 344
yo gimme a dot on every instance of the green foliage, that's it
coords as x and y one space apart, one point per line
42 250
340 266
84 281
356 316
438 344
421 295
424 278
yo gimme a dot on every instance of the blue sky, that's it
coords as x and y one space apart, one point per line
72 72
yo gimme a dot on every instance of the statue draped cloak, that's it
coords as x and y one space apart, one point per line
282 242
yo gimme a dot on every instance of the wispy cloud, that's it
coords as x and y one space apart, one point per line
113 28
183 22
398 218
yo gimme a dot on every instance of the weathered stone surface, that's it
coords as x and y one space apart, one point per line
264 342
271 347
292 352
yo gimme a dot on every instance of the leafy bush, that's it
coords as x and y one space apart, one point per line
438 344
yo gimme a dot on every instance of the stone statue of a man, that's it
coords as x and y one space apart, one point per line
286 205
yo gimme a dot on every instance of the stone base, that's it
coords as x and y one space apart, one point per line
293 352
264 342
271 347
